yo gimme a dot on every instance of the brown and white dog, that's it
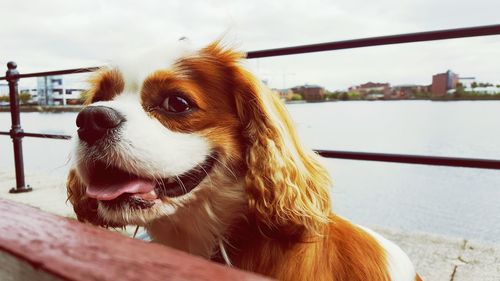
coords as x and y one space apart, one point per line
203 156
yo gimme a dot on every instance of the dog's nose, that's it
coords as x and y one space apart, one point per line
95 121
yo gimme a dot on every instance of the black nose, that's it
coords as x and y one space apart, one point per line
95 121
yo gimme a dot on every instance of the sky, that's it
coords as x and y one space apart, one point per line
59 34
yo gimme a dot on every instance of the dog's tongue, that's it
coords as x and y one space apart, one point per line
112 191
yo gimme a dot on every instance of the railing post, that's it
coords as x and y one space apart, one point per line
16 132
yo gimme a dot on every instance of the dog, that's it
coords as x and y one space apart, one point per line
197 151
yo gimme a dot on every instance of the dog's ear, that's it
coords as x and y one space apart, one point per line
84 207
288 188
287 185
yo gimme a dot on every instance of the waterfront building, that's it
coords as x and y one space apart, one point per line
4 89
72 96
51 91
489 90
30 91
310 92
442 83
372 89
47 87
407 91
284 94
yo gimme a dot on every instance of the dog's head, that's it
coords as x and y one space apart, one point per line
201 131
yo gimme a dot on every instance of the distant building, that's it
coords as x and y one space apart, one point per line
374 96
407 91
47 88
467 81
490 90
285 94
32 92
73 96
372 89
4 89
310 92
443 82
50 91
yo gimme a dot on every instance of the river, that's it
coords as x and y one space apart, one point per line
459 202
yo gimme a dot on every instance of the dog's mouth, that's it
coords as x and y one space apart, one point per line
113 186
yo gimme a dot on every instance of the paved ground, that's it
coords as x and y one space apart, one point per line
49 193
442 258
436 257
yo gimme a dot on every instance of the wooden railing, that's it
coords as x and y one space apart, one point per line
35 245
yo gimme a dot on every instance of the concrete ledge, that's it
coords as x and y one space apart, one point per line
440 258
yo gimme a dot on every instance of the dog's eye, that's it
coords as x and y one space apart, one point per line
176 104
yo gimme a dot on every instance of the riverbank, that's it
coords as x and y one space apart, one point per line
467 98
77 108
436 257
395 100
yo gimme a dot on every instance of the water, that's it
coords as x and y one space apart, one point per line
458 202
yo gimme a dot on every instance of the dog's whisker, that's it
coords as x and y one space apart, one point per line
135 232
224 166
179 181
206 173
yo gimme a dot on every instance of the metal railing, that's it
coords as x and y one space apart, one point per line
17 133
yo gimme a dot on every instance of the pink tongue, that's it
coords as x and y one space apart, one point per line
110 192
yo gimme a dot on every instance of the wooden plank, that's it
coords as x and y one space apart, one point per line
60 248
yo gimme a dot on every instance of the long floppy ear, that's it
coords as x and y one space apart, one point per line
84 207
288 188
286 183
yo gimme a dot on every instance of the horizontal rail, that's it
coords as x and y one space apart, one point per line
56 72
413 159
46 136
382 40
43 136
330 46
367 156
